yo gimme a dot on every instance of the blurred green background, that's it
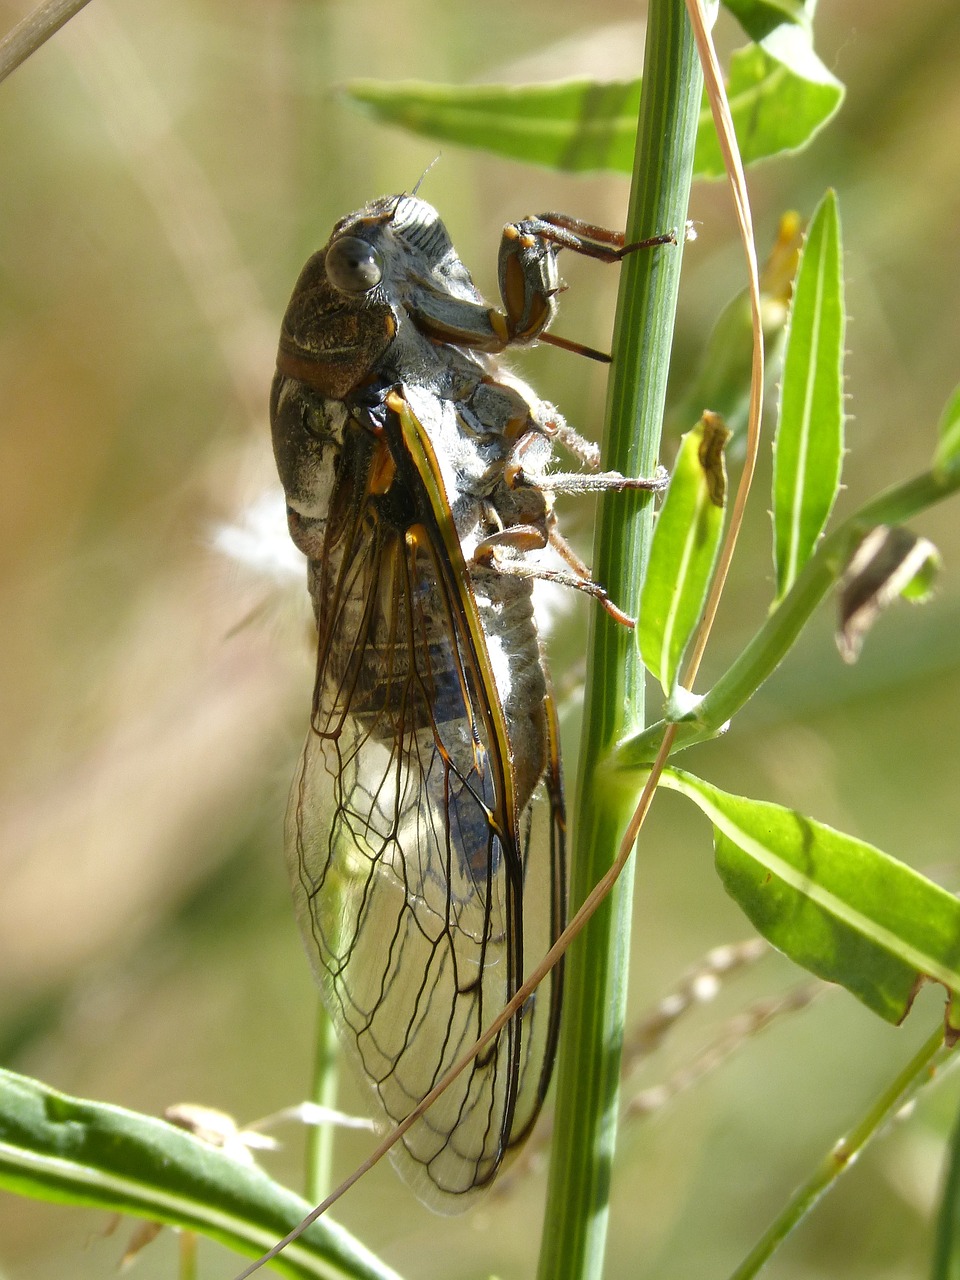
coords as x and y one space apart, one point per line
167 167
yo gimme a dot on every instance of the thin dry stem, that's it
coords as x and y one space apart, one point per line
723 121
33 31
742 1027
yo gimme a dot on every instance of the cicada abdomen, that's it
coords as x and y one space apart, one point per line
425 827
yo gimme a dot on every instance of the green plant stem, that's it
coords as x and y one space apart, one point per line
588 1085
914 1075
775 638
320 1137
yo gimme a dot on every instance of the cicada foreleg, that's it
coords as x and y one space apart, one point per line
529 285
530 281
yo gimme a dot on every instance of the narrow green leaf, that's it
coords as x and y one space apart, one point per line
579 126
808 447
58 1148
775 638
685 544
888 563
836 905
583 126
948 444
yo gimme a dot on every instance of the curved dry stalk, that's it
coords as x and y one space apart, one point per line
740 1028
723 121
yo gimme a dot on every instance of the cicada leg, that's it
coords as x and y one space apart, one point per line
531 443
529 284
522 538
518 539
528 275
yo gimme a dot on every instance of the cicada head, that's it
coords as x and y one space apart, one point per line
384 266
339 321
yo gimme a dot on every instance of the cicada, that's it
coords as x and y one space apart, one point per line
425 829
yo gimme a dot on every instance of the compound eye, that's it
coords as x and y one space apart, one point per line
353 265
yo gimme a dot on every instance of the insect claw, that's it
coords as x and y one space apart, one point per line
667 237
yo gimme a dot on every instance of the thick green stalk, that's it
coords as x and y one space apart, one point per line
588 1084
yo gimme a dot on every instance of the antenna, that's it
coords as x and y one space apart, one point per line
425 172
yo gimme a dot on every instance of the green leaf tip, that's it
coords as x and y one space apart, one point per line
759 17
808 444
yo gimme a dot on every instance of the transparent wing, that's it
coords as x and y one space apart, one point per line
415 880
